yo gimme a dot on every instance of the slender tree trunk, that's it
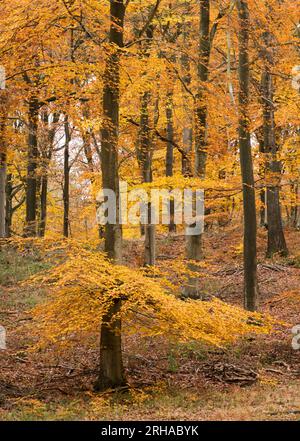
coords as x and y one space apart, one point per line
43 182
3 165
145 159
2 185
194 242
31 180
66 186
150 243
170 153
295 208
170 135
145 155
201 106
276 239
2 193
250 264
111 373
46 158
9 208
43 202
263 211
187 133
87 140
261 172
187 141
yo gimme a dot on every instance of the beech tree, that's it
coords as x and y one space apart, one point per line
111 373
3 161
250 263
145 153
276 239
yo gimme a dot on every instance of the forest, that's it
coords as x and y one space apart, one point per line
149 210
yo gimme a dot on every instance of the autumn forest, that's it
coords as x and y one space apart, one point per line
149 210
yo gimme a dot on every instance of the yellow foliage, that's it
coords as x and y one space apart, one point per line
85 283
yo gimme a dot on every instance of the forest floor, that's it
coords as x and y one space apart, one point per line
255 379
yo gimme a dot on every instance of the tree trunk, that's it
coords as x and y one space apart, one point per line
111 373
261 173
187 133
31 180
145 159
170 153
250 264
150 242
276 239
46 158
9 208
145 155
2 193
200 106
187 141
194 242
295 208
3 165
66 186
111 364
263 211
43 216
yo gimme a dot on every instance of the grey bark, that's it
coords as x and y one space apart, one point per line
250 263
111 372
194 242
170 153
187 132
8 208
31 179
3 162
145 158
66 185
46 155
276 239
